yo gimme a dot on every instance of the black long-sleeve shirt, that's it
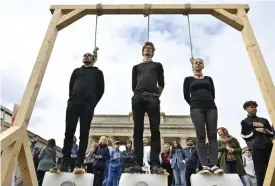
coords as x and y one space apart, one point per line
86 86
146 77
199 93
253 138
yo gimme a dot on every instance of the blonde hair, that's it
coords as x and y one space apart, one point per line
103 140
92 148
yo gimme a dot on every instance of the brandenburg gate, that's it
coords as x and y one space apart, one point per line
120 127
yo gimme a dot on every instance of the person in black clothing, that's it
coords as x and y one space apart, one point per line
191 166
86 88
127 155
199 93
147 85
258 134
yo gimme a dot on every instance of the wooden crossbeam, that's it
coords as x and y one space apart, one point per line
70 18
155 8
228 18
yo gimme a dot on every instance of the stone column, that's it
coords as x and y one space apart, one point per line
161 142
183 142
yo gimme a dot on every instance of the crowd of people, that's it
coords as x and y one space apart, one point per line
106 162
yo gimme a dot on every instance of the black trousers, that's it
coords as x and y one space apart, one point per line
150 105
75 112
260 160
98 176
170 171
40 177
188 172
73 164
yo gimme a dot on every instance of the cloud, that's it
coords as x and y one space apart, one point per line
120 40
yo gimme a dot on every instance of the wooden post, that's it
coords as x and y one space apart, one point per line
265 83
21 147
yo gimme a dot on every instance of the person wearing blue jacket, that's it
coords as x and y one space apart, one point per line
115 163
178 161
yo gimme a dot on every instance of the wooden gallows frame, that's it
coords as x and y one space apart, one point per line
14 141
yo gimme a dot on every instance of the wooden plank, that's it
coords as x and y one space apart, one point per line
228 18
155 8
8 162
9 136
264 80
70 18
26 164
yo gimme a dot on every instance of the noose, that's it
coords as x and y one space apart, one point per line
189 31
146 12
99 13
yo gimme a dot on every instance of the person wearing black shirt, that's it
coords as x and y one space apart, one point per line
147 85
86 88
258 134
199 93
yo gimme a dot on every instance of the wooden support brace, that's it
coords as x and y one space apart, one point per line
265 83
10 154
9 136
228 18
70 18
8 160
26 164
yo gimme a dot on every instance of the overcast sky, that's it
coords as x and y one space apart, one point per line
120 40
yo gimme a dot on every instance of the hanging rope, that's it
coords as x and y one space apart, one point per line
189 31
98 13
146 12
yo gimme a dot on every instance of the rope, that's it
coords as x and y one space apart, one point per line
189 31
98 13
190 40
146 12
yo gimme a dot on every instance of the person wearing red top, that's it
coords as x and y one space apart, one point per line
165 162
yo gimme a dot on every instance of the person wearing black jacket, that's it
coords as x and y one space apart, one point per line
258 134
86 88
147 85
192 165
127 155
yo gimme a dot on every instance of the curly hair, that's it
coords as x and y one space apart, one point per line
249 103
148 43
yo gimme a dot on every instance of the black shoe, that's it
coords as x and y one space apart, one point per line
135 168
155 169
64 167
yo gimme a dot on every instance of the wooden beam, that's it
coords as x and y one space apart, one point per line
228 18
155 8
10 154
26 164
70 18
264 80
9 136
35 80
8 160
